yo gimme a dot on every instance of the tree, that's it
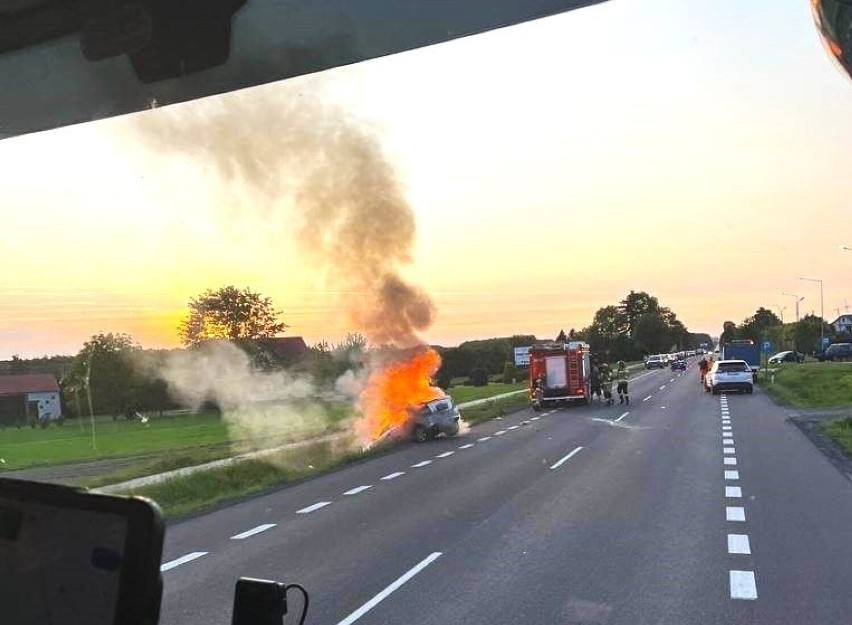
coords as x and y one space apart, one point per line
105 365
729 332
478 376
651 333
510 373
229 313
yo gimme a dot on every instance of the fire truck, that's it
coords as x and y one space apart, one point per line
559 372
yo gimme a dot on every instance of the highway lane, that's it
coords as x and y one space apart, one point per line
575 517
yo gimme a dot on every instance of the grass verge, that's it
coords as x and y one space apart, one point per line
464 393
496 408
811 385
839 430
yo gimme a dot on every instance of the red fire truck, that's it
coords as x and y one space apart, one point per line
559 372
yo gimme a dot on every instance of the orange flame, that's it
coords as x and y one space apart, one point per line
394 388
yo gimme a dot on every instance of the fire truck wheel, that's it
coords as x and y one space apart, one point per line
421 434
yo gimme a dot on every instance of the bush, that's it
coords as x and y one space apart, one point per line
510 373
478 376
444 378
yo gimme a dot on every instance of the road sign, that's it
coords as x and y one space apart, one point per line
767 346
825 341
522 356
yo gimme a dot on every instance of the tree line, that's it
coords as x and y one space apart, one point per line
764 325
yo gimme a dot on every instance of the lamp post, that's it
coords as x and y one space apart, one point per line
798 299
821 310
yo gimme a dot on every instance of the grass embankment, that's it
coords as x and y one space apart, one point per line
840 430
811 385
464 393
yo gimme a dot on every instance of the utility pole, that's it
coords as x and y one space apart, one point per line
798 299
89 395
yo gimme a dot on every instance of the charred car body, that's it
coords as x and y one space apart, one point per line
438 416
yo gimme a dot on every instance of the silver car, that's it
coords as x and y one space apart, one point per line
439 416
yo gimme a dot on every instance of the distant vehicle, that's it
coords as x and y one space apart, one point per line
743 349
788 356
835 352
656 361
439 416
679 365
729 375
559 372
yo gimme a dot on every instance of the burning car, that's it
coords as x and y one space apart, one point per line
438 416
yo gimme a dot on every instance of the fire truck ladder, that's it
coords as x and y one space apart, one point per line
573 372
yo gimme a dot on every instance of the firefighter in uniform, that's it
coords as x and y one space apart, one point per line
606 383
622 376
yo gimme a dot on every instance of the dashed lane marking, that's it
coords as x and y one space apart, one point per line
499 433
358 489
394 475
483 439
565 459
732 475
253 531
662 387
733 492
734 513
513 427
729 451
738 543
622 416
421 464
743 585
726 428
446 454
647 398
314 507
730 461
468 446
384 594
534 418
182 560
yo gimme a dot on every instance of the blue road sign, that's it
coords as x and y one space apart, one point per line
825 341
767 346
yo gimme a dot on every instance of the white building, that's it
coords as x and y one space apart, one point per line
29 398
843 324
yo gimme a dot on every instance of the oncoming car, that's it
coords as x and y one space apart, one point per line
439 416
656 361
729 375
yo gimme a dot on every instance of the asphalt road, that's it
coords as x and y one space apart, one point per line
680 508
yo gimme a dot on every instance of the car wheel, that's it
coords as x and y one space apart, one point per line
421 434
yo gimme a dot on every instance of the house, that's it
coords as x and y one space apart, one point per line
843 324
287 350
29 397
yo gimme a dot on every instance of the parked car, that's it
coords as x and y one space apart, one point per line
439 416
788 356
834 352
656 361
729 375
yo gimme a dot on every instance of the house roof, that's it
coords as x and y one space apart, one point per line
287 348
843 319
17 384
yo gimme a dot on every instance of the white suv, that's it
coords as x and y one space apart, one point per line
729 375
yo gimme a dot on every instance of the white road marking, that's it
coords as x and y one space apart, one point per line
316 506
421 464
730 461
734 492
726 428
483 439
182 560
733 513
358 489
647 398
513 427
622 416
742 585
393 475
672 380
727 443
729 451
253 531
446 454
372 603
662 387
565 459
727 435
738 543
534 418
468 446
500 433
732 475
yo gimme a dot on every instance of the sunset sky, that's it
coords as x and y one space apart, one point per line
699 151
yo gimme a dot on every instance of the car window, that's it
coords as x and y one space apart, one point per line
733 367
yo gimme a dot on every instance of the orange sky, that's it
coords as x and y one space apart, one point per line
552 167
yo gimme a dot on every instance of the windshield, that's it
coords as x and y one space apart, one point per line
249 307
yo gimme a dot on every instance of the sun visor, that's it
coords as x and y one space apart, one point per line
70 61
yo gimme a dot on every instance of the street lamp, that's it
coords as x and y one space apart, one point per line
798 299
845 247
821 310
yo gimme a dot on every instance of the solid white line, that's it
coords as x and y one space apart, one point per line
738 543
733 492
662 387
534 418
372 603
446 454
421 464
730 461
468 446
622 416
565 459
253 531
647 398
500 433
732 475
483 439
182 560
729 451
393 475
316 506
358 489
742 585
733 513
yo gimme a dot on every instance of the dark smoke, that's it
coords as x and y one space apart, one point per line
286 157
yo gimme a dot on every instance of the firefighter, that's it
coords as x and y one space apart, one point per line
606 384
622 376
595 382
703 368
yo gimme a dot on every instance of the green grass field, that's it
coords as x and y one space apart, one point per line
464 393
811 385
840 430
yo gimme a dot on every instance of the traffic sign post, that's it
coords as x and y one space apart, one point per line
825 342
